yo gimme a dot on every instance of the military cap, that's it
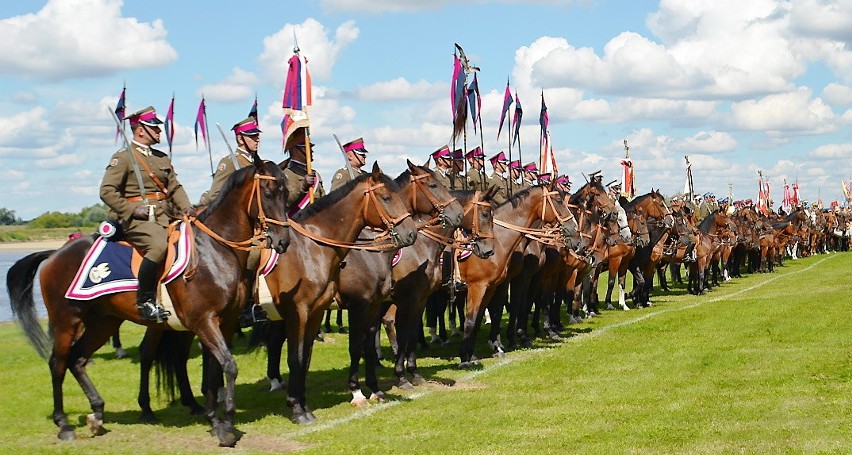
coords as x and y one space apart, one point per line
356 146
147 116
247 127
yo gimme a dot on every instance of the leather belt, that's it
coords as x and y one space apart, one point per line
157 196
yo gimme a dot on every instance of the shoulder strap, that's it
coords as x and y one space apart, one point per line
151 174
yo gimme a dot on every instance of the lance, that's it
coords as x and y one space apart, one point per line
345 158
689 176
136 171
230 150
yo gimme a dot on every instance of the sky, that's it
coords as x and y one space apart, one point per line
739 87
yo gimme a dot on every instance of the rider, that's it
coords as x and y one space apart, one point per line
298 179
498 178
516 171
615 194
145 212
247 136
563 185
443 164
459 181
356 154
476 178
530 175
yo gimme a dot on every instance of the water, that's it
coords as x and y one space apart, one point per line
7 258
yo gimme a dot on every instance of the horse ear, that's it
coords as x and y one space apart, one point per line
490 192
258 163
376 171
413 167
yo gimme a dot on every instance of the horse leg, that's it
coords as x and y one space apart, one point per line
147 352
661 277
212 338
274 347
371 361
300 347
610 284
120 353
495 305
170 350
476 293
359 331
389 321
96 334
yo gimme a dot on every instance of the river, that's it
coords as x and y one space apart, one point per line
7 258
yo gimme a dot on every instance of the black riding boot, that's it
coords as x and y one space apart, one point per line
146 302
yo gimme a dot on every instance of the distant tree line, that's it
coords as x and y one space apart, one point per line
88 217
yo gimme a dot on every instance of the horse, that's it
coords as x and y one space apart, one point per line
620 255
484 275
204 298
366 279
659 219
418 274
304 280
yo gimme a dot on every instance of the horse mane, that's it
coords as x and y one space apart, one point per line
335 196
575 198
237 178
707 223
405 177
515 200
463 196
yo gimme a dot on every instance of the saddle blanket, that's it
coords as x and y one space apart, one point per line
106 268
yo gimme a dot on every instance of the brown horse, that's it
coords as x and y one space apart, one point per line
204 300
620 254
483 275
304 280
418 274
660 222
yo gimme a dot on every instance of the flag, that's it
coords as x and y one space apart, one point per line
627 185
507 101
253 111
457 96
687 186
519 114
845 190
170 125
297 95
787 200
119 112
543 120
795 195
201 123
474 101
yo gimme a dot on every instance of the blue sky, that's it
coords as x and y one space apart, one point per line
737 86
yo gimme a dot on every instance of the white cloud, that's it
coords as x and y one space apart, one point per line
832 152
237 86
795 110
400 6
705 142
400 89
818 18
837 94
80 38
321 50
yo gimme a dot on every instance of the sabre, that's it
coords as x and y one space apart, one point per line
345 158
136 170
230 150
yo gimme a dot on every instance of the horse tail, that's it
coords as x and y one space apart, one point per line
19 282
171 355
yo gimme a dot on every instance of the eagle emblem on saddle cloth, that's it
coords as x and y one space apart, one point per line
99 272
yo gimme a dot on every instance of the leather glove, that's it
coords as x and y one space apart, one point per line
189 212
140 213
309 181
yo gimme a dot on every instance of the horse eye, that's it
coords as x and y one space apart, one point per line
386 198
433 185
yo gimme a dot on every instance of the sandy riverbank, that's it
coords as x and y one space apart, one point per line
32 246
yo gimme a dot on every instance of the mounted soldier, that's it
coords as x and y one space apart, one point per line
247 136
530 175
563 185
458 179
356 156
476 178
299 181
443 165
143 193
498 179
516 177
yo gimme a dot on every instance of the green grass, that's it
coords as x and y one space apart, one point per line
762 364
24 233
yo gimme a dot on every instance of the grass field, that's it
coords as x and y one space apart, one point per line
762 364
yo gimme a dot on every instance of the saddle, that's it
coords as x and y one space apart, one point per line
110 266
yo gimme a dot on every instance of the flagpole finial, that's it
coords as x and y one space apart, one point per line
295 42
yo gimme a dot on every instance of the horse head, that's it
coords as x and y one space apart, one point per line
383 208
428 195
478 220
554 205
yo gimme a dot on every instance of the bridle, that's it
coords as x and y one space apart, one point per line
544 235
476 234
438 205
377 244
261 237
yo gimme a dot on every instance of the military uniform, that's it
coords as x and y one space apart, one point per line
295 174
502 184
223 171
477 180
443 177
341 177
121 193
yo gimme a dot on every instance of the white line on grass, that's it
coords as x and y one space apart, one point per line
534 352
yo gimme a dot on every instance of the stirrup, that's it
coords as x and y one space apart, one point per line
152 311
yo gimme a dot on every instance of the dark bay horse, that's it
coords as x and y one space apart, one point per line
512 221
418 274
304 280
204 299
659 219
366 279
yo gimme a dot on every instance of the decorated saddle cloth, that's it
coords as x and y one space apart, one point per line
110 267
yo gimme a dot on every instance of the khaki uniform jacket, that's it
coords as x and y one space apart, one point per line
477 180
120 182
225 169
500 182
341 177
295 174
443 178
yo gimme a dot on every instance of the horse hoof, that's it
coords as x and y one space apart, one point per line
301 419
96 426
405 385
226 434
359 402
66 434
378 396
609 307
120 353
418 380
275 385
464 365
